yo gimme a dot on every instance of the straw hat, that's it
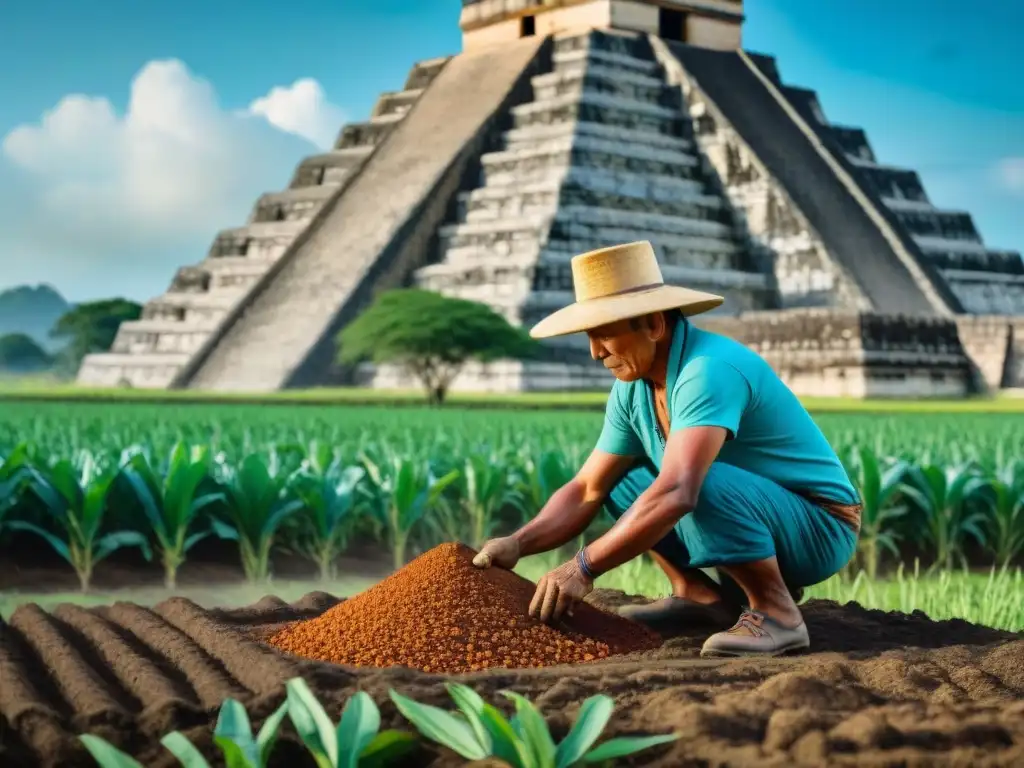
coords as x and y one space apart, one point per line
618 283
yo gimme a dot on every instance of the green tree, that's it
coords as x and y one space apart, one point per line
19 353
432 336
91 327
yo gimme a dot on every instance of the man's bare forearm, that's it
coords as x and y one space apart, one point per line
654 513
565 516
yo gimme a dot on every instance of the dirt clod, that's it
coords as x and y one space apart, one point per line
440 614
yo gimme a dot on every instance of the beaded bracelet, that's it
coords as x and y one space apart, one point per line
584 564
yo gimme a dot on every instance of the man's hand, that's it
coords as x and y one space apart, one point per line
503 552
559 591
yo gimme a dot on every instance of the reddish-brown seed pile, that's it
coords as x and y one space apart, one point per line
441 614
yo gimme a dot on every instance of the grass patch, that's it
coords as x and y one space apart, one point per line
992 599
42 390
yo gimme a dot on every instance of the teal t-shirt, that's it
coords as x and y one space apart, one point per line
716 381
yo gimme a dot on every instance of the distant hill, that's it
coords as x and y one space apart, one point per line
32 311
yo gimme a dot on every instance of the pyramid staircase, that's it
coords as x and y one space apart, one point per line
602 154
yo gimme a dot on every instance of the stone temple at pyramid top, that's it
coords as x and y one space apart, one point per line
712 24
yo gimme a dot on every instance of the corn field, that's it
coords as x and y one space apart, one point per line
946 490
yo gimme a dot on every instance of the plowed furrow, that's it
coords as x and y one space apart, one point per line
26 706
87 692
210 682
257 667
142 677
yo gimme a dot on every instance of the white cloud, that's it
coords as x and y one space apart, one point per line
301 109
100 203
1010 171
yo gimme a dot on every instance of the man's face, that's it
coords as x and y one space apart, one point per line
627 348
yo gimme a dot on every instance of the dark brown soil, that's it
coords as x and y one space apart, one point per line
878 689
30 565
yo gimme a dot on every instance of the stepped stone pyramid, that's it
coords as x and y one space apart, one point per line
569 125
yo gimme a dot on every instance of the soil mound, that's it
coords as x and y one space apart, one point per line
441 614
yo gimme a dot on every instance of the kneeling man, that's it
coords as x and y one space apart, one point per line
706 460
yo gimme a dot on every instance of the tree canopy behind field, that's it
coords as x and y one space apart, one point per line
432 336
19 353
91 327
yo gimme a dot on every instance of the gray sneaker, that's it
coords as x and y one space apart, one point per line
755 634
678 613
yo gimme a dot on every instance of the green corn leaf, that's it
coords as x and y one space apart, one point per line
137 481
360 721
626 745
237 756
194 539
119 540
224 530
178 745
440 726
234 736
591 721
534 731
267 737
106 754
507 744
472 706
312 724
385 747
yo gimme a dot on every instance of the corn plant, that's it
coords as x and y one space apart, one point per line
233 734
1006 524
355 742
484 488
879 488
14 472
256 503
106 754
172 502
948 497
76 501
525 741
407 489
328 505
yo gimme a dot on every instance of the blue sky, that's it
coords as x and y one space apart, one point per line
935 83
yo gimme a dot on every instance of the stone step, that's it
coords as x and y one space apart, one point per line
948 244
161 336
330 168
265 240
637 116
697 243
423 72
529 136
552 270
587 151
211 276
210 306
489 203
369 133
620 42
299 204
574 59
395 102
954 225
144 371
606 80
569 216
